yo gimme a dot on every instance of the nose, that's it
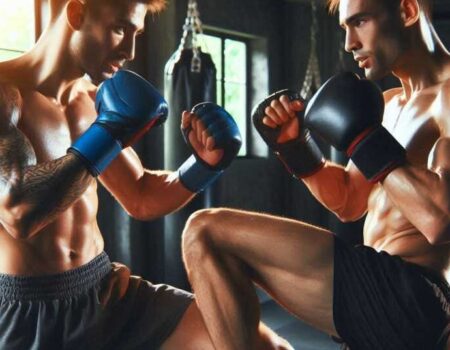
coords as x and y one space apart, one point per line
352 42
128 47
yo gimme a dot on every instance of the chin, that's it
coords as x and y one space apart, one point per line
99 78
375 74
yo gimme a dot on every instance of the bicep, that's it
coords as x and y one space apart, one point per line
359 189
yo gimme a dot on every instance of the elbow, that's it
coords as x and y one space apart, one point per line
347 216
344 217
143 216
143 211
139 214
17 228
438 230
17 221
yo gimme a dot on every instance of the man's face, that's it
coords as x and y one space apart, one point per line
373 35
107 39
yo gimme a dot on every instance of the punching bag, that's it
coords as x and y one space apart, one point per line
190 78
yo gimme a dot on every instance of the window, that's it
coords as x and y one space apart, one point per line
17 27
230 56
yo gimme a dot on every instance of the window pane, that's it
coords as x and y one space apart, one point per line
8 54
213 45
16 27
235 104
235 61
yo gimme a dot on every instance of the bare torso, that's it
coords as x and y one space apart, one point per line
74 237
416 124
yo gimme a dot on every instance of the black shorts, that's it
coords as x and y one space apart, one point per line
62 312
382 302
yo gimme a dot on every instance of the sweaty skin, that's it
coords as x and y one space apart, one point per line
48 217
395 222
421 124
408 214
48 200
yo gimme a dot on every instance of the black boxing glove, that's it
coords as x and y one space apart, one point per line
347 113
302 156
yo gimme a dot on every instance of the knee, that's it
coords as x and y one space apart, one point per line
199 231
275 343
269 340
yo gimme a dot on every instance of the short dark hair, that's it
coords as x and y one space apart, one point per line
154 6
427 5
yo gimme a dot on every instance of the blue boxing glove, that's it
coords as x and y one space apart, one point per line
127 106
195 173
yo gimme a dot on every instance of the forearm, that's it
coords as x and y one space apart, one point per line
336 188
422 196
37 194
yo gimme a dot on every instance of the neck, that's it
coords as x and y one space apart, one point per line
49 66
426 62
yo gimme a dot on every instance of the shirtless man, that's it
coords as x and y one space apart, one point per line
52 263
391 293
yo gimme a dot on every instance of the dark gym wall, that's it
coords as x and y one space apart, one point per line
259 184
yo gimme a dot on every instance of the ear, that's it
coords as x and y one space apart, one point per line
409 12
75 14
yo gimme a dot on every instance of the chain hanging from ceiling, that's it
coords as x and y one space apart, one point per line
312 79
192 28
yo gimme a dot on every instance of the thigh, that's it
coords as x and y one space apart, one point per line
146 317
291 260
190 333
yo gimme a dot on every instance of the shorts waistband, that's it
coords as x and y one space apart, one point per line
56 286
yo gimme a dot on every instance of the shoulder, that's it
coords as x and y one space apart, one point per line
11 92
10 102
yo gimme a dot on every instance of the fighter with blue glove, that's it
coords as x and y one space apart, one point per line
128 106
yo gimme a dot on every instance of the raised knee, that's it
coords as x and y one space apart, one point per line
201 233
198 232
197 224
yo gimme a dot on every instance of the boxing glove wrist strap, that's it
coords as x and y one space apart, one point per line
96 147
195 176
377 154
301 157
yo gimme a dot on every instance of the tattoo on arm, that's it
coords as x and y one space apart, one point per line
32 195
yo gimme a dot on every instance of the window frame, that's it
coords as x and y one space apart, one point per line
245 39
257 82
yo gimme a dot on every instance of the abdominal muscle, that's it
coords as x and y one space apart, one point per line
386 229
70 241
